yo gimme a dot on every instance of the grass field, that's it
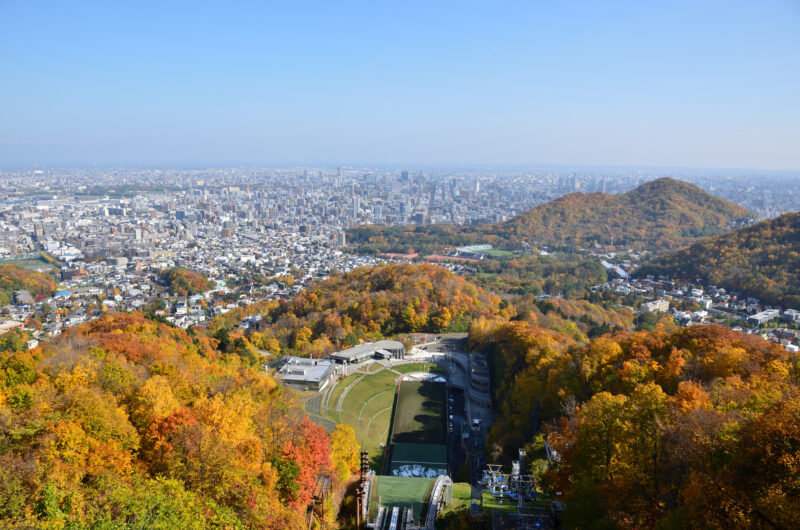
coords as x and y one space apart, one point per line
420 413
34 264
497 253
400 491
418 367
462 494
508 505
367 408
462 498
339 388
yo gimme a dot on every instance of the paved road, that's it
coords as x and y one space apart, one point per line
457 454
314 404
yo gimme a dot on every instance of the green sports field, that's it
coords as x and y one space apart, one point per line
497 253
33 264
420 416
419 430
418 367
406 492
367 407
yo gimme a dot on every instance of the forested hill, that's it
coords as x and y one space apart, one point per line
366 304
126 422
186 282
660 214
663 214
762 260
692 428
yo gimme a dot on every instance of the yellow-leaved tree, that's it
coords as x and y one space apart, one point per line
344 451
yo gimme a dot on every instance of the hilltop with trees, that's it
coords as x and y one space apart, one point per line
367 304
186 282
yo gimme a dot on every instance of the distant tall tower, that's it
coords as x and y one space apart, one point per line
404 176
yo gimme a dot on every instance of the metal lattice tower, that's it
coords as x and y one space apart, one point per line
515 484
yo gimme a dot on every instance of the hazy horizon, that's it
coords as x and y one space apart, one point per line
680 86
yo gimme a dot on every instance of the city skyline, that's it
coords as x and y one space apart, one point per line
683 85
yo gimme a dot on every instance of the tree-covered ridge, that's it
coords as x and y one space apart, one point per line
570 276
762 260
659 215
372 303
14 278
128 422
698 427
186 282
428 239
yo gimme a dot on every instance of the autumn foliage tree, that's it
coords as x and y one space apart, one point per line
15 278
126 421
656 429
344 451
186 282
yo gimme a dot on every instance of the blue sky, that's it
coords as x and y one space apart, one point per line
639 83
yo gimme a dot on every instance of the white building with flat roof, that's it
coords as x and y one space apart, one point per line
387 349
656 306
310 374
759 319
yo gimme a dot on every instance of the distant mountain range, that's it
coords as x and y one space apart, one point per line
660 215
762 260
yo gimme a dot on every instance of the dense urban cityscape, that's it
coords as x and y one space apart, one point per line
112 231
250 230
